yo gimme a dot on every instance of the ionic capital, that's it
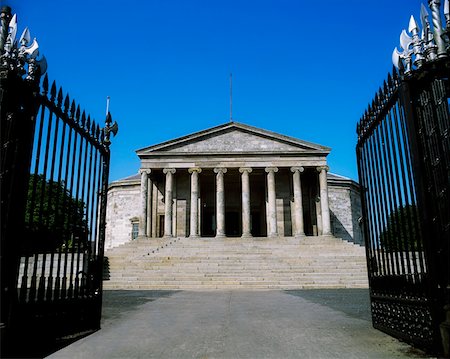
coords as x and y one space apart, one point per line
169 170
245 169
295 169
195 169
220 170
145 170
322 168
271 169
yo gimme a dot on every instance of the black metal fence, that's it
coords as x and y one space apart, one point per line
54 177
403 154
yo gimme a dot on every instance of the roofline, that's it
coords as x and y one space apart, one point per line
242 126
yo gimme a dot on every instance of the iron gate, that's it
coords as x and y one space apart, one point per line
54 177
403 155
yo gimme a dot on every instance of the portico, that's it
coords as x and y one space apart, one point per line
234 180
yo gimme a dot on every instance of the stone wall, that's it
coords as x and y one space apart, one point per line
123 207
345 210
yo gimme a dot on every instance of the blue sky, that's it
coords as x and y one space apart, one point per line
306 69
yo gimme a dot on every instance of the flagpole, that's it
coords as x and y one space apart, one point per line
231 97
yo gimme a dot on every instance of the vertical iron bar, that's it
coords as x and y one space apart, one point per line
74 213
370 207
390 203
83 239
45 233
370 252
392 151
51 212
406 227
375 201
86 250
378 190
57 214
69 234
94 216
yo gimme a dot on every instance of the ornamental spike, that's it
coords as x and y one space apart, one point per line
33 50
77 114
424 15
42 64
25 38
66 103
93 128
413 25
72 109
88 123
11 39
60 97
83 119
20 55
53 91
389 81
396 57
405 40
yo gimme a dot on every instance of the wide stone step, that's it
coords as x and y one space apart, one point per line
204 287
283 263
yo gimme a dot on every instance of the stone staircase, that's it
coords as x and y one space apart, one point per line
236 263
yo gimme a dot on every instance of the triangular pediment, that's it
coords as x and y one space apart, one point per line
233 138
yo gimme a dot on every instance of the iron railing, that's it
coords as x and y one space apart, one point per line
54 177
403 163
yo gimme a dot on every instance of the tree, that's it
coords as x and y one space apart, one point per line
53 218
402 230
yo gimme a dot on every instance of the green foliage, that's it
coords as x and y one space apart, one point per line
402 230
53 218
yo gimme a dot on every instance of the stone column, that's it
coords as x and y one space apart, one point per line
193 232
155 210
168 202
272 230
220 202
326 226
246 227
143 202
298 205
149 207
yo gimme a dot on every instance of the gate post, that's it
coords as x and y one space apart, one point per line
403 152
424 101
18 109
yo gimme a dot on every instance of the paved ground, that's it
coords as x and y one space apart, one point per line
237 324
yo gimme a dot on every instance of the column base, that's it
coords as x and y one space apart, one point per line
246 235
194 237
141 237
272 235
220 236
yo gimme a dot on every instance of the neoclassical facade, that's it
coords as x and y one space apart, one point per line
232 180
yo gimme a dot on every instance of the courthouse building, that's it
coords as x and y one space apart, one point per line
233 180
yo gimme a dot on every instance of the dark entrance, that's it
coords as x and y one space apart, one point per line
309 200
208 203
232 224
258 202
161 226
